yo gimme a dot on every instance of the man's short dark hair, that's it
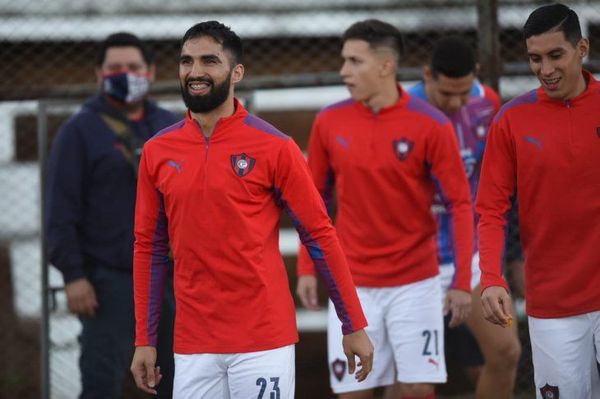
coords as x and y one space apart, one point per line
221 34
553 18
453 57
123 39
377 33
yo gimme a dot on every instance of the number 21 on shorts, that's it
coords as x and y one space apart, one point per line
431 343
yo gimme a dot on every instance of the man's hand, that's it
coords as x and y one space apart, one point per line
497 305
81 297
358 344
459 304
306 289
145 374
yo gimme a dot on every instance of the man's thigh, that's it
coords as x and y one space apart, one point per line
415 326
564 358
266 374
200 376
383 366
107 338
269 374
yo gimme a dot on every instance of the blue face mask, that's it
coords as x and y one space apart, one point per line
126 88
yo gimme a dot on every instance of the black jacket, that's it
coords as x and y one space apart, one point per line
91 185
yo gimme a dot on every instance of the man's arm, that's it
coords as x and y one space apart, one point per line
296 193
150 267
496 187
64 213
447 167
324 180
318 163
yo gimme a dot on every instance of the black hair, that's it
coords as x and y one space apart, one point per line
453 57
221 34
554 18
377 33
123 39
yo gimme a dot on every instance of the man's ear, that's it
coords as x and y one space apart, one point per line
583 47
388 63
237 74
152 73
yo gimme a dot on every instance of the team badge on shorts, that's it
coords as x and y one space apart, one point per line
242 164
338 368
402 148
549 392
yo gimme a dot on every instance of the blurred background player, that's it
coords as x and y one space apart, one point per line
384 150
214 186
92 173
450 84
546 145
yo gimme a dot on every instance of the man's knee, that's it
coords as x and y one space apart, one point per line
504 354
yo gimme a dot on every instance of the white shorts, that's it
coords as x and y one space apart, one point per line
406 327
447 271
565 352
266 374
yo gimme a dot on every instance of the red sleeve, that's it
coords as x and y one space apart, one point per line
318 162
296 193
150 259
447 167
496 186
490 94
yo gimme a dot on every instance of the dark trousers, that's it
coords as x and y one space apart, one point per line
107 339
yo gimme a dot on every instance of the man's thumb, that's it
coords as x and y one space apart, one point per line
351 363
150 375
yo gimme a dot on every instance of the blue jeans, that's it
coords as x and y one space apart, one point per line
107 338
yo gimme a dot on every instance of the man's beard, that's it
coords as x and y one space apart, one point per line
207 102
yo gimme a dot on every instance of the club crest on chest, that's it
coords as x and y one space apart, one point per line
402 148
242 164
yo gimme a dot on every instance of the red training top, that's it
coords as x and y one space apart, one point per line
548 150
385 168
218 202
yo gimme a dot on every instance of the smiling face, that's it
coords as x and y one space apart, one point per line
557 64
206 74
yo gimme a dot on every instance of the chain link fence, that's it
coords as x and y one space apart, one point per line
47 52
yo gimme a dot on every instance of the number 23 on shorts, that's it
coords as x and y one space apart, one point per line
274 393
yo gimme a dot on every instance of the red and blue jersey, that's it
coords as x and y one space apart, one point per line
384 167
216 202
471 124
548 152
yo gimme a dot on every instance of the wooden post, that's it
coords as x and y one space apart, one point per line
489 43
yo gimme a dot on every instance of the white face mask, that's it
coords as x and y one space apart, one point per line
127 88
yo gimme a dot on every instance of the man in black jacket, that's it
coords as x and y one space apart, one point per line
92 174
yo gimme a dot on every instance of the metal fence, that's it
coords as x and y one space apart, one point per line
47 52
